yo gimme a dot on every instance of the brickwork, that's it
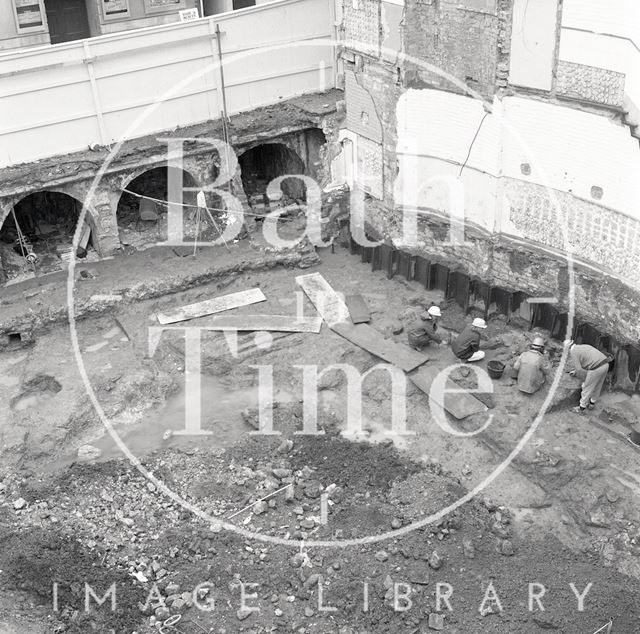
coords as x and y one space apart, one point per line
362 115
587 83
470 40
370 166
456 38
305 132
379 82
505 17
597 234
362 25
600 300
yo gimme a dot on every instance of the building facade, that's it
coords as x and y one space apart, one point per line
517 120
26 23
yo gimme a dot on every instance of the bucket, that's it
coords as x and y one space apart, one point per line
496 368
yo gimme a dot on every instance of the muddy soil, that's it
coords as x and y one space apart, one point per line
563 511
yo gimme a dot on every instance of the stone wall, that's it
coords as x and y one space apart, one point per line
467 39
500 260
301 124
519 242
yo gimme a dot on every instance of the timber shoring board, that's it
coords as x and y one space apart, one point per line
275 323
372 341
215 305
358 309
459 405
327 302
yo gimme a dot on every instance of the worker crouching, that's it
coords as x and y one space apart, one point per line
532 367
466 346
422 334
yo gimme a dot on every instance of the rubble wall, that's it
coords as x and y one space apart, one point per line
541 177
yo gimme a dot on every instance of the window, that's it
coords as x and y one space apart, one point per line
114 9
163 5
29 15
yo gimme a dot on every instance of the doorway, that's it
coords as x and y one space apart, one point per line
67 20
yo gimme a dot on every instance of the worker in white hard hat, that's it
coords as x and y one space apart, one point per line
426 332
467 344
593 362
532 367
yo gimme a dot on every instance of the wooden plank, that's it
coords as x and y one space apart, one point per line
84 238
327 302
277 323
459 405
372 341
182 252
358 309
542 300
215 305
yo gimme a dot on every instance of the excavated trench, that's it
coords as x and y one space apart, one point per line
563 483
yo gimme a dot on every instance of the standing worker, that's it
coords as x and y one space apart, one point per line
426 332
532 367
467 344
588 359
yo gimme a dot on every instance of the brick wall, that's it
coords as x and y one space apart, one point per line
462 38
521 247
600 235
377 93
600 300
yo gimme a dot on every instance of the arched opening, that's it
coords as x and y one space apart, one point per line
261 164
37 235
142 208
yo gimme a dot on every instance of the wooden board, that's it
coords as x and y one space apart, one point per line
372 341
215 305
358 309
84 238
277 323
327 302
182 252
459 405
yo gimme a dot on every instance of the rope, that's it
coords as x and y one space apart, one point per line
266 497
30 256
166 203
475 136
607 626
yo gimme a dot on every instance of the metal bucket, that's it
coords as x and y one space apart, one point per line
495 368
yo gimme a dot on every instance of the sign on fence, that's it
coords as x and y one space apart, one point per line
187 15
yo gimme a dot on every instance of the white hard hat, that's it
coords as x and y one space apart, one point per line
479 323
434 311
538 342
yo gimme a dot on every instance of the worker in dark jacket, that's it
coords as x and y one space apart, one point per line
467 345
425 331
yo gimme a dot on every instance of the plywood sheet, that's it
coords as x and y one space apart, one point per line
277 323
372 341
358 309
215 305
327 302
459 405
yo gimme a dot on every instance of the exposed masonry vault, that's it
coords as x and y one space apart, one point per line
302 125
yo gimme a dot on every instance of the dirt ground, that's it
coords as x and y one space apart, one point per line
563 511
